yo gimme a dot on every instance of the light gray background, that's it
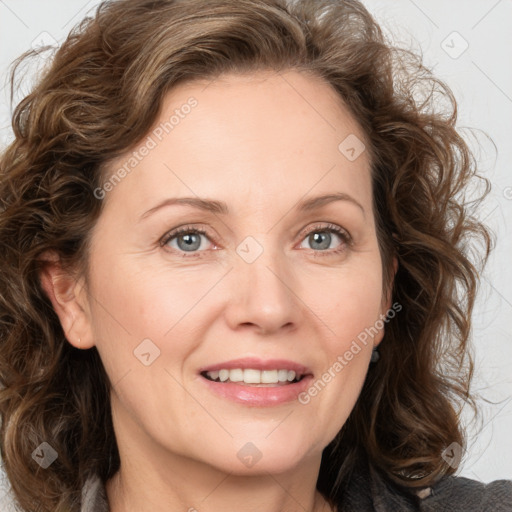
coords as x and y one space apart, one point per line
481 78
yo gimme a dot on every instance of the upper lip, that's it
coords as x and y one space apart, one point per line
258 364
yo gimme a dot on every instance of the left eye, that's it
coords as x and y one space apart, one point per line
322 236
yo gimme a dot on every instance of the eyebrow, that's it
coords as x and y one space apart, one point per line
221 208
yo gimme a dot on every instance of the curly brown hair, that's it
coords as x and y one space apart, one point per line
101 95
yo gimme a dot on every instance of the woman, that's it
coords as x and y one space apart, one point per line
172 336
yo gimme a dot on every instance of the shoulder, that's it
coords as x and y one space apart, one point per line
370 490
459 493
450 494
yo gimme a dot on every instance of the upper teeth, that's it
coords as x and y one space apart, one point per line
250 376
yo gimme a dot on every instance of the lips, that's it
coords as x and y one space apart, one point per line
261 395
257 382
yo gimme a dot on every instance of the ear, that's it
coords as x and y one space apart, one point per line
69 299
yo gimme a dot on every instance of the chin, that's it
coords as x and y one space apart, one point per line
262 455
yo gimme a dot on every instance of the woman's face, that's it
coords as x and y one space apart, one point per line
268 284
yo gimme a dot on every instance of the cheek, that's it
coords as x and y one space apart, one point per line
144 300
146 308
349 306
333 393
348 301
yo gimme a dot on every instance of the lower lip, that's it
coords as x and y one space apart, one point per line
264 396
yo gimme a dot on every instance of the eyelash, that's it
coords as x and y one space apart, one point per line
326 228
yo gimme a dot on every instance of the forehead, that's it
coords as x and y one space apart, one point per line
267 134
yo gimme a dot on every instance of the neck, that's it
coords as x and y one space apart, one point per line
192 486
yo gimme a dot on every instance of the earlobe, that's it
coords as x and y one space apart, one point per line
62 289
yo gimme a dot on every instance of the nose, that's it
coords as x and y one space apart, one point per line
264 294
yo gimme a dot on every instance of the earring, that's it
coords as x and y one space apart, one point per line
375 356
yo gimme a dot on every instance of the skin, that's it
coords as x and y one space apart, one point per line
260 143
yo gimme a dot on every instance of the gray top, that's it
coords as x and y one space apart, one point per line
370 492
